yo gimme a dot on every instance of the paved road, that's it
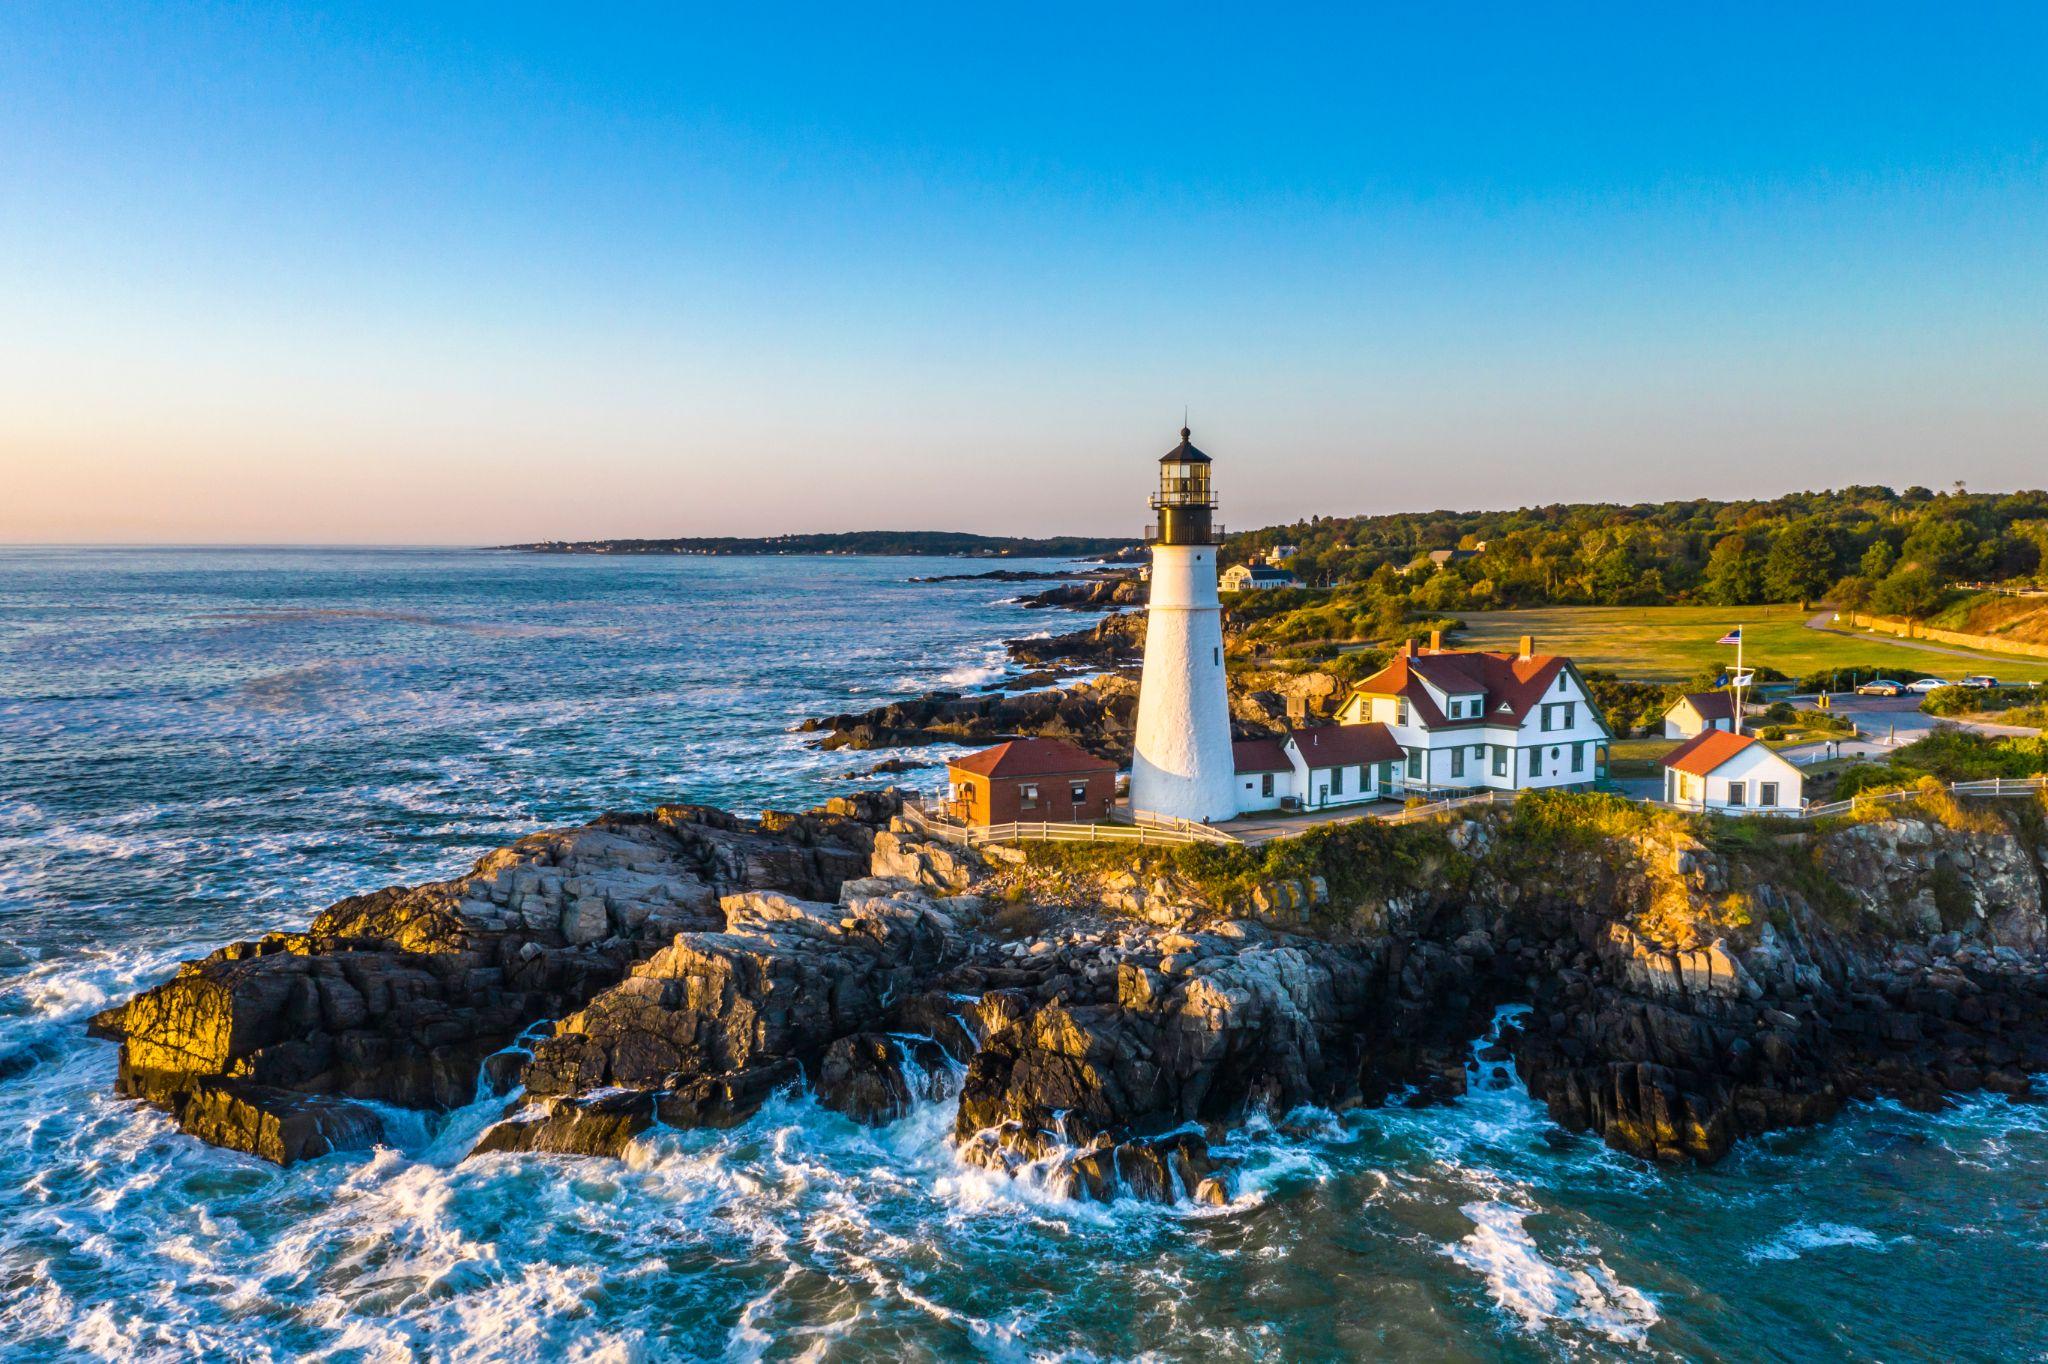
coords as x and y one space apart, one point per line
1890 722
1824 622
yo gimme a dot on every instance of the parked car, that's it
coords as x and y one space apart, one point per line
1926 684
1882 686
1979 680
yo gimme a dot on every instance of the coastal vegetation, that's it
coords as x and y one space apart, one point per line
1897 551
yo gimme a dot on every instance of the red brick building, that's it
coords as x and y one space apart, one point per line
1028 780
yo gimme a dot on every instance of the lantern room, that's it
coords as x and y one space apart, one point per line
1185 498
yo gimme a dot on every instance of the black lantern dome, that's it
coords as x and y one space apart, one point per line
1185 498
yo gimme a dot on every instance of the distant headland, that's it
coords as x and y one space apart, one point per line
937 543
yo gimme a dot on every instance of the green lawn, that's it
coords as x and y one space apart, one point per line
1670 643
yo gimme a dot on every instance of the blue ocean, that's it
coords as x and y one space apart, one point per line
201 745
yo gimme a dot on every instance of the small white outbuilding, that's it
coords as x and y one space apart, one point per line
1731 774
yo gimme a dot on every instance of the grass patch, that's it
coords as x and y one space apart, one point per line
1672 643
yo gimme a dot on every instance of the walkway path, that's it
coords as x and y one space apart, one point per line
1824 622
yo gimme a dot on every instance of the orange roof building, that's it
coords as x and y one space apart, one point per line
1732 774
1031 780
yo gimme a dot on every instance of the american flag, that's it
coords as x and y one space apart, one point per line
1732 637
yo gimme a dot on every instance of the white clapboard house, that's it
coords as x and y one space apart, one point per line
1699 711
1731 774
1315 769
1467 720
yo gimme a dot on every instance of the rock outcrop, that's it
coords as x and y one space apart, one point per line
1101 1022
398 996
1098 715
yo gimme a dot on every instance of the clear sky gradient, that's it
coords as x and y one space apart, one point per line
363 273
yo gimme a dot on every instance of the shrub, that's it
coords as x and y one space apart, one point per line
1774 733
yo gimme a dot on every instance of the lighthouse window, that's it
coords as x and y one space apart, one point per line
1219 657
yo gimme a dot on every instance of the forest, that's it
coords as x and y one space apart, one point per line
1895 553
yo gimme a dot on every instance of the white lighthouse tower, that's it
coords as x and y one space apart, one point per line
1182 767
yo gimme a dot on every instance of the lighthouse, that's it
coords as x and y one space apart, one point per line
1182 765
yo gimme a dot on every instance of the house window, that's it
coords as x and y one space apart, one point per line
1266 784
1336 781
1400 710
1767 793
1578 757
1415 762
1500 760
1562 678
1735 793
1080 792
1535 762
1457 762
1028 795
1543 718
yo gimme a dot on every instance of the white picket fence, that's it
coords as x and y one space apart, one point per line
1416 814
1145 831
1993 786
1157 832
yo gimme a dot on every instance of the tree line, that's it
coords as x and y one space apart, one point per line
1873 548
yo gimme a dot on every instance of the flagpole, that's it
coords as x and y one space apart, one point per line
1738 681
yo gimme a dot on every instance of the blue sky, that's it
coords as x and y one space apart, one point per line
276 273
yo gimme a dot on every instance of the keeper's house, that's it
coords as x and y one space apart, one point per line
1731 774
1697 712
1252 578
1029 780
1316 769
1468 721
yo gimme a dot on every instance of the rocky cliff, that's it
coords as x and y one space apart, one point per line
1101 1013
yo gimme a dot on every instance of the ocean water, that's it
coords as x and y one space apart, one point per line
201 745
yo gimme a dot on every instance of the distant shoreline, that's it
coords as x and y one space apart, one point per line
874 543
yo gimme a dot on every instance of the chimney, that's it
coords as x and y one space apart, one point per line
1408 648
1528 646
1436 641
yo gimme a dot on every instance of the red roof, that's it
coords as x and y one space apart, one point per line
1031 758
1706 750
1511 685
1260 755
1711 705
1346 745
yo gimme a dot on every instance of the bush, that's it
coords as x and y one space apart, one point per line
1781 713
1773 733
1950 701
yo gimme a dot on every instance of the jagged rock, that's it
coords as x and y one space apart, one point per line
875 1078
942 867
1197 1034
400 995
601 1125
275 1124
784 980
